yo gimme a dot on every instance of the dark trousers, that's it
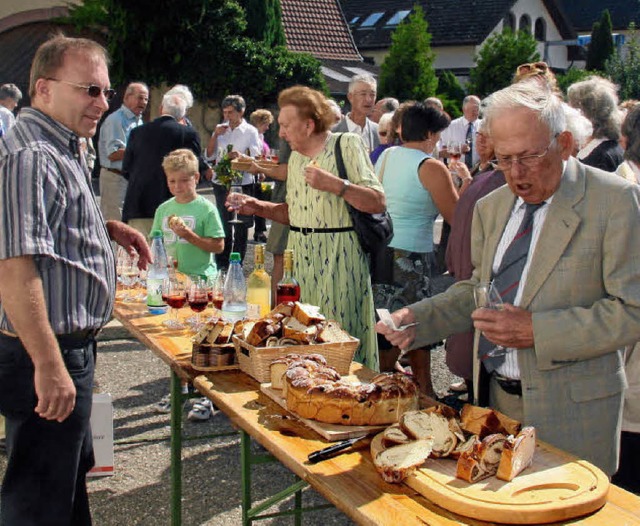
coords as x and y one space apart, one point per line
234 238
47 461
260 222
628 475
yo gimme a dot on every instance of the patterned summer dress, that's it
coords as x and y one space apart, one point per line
331 268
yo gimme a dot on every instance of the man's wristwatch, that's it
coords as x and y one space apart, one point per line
345 185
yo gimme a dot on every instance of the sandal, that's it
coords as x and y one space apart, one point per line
201 410
164 405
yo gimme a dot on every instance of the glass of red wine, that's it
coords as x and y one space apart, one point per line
174 294
198 299
217 291
454 150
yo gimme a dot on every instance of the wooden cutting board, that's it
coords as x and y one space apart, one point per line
331 432
555 488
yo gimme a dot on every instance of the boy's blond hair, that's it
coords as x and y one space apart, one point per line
181 160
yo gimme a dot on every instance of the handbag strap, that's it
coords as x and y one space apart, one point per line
342 169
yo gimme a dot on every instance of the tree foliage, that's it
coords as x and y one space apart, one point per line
571 76
498 59
601 46
264 21
451 93
407 71
624 69
199 43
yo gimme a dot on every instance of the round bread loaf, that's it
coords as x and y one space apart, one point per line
318 392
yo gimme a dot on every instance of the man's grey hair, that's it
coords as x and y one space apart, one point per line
389 104
597 98
579 126
365 78
235 101
131 87
529 94
434 102
10 91
470 98
174 105
183 91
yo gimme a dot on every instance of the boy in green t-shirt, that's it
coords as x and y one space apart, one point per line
191 223
193 232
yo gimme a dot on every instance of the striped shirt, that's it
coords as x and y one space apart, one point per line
48 211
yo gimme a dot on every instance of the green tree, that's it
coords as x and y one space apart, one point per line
601 46
624 69
451 93
571 76
498 59
264 21
196 42
407 71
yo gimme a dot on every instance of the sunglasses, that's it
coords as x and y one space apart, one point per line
93 91
539 67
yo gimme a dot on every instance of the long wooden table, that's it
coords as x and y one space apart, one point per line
348 481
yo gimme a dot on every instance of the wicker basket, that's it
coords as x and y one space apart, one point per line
206 357
256 361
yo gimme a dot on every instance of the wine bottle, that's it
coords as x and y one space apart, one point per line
258 287
288 288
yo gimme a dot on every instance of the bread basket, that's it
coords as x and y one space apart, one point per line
256 361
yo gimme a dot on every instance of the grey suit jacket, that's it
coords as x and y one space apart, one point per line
583 288
374 139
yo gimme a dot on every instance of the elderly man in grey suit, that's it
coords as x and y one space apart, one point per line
362 97
577 299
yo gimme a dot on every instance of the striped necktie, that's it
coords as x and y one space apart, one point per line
468 157
507 278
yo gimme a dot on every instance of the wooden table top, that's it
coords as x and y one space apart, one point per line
349 481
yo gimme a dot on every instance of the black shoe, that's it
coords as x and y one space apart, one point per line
260 237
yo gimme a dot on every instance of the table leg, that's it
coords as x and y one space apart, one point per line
176 450
245 463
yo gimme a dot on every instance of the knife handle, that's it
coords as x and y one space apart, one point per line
328 452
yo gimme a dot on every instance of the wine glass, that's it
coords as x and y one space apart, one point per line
235 200
198 299
174 294
127 270
217 291
487 297
274 155
454 150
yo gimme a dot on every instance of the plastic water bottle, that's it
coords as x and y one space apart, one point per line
234 306
156 274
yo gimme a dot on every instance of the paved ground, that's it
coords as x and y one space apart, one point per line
139 492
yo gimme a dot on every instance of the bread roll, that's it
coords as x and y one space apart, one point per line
175 221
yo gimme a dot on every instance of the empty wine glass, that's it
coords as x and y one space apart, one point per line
487 297
235 200
127 270
174 294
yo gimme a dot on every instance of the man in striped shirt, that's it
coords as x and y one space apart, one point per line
57 285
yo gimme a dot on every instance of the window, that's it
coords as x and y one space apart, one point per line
525 23
398 17
354 20
509 21
540 30
371 20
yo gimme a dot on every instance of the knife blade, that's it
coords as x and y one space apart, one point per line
331 451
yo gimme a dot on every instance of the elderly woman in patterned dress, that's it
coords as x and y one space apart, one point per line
330 265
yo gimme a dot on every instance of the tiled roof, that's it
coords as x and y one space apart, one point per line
459 22
584 13
318 27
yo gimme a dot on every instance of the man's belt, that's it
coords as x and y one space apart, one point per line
114 170
311 230
72 339
508 385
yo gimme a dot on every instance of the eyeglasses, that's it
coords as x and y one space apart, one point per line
526 161
93 91
537 67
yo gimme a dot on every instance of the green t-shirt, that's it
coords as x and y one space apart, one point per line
201 216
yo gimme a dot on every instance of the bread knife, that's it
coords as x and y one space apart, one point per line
328 452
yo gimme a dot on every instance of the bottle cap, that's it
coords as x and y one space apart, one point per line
156 233
235 256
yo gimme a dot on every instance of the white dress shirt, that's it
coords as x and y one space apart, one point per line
241 137
364 132
457 132
509 368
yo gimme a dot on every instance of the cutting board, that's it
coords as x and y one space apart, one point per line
331 432
556 487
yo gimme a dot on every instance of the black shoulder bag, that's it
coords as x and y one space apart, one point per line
374 230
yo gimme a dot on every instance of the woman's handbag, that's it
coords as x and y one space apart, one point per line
374 231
